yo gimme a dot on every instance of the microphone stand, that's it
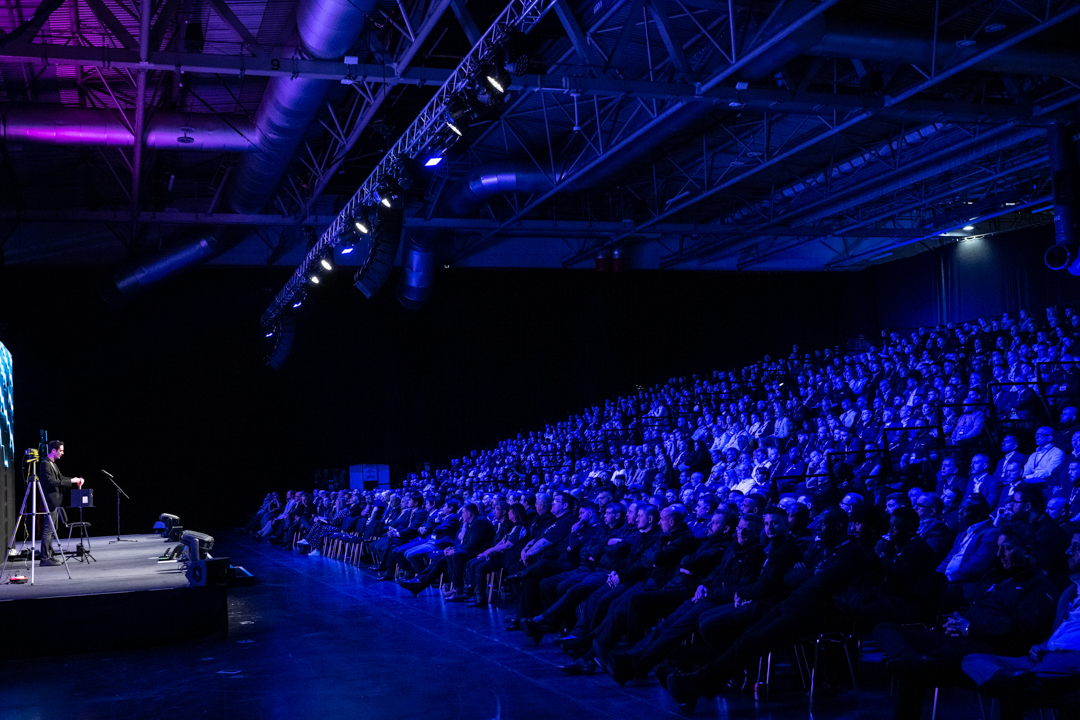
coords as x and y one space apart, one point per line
119 492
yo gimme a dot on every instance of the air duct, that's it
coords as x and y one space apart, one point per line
94 127
1061 147
327 29
417 269
901 45
195 249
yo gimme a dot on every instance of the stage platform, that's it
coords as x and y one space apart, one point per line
126 598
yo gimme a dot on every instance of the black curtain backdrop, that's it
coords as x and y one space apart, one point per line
170 393
967 280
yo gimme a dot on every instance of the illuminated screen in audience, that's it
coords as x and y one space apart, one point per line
7 412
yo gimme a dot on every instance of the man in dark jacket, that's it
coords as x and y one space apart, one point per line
52 484
1053 665
651 570
476 534
739 570
1013 609
833 566
643 539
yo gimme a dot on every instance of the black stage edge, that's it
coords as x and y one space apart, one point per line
127 599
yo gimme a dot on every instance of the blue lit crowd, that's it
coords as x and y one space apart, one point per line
920 489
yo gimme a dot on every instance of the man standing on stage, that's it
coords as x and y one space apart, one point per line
51 483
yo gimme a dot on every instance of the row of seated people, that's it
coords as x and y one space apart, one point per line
739 429
624 580
749 434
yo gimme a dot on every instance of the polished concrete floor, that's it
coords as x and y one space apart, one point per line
314 638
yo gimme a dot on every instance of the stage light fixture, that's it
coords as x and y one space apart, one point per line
389 192
496 78
457 116
313 277
433 161
299 298
514 57
326 259
408 173
969 227
361 221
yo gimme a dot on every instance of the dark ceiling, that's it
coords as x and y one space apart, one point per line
683 134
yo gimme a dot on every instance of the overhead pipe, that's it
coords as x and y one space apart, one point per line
417 269
94 127
1061 148
902 45
196 248
327 28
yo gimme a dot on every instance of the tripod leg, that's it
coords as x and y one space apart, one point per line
15 533
55 533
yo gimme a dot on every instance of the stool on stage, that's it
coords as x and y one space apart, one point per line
79 499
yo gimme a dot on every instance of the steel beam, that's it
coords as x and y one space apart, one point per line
102 13
273 65
140 113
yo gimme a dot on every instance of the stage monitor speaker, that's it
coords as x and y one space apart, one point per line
81 499
214 571
197 543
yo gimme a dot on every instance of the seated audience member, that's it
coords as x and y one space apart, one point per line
1052 666
949 477
1050 539
950 510
932 528
749 601
1013 609
1069 489
698 575
910 591
972 554
833 567
1042 463
982 482
1010 453
605 611
432 538
475 535
510 531
641 545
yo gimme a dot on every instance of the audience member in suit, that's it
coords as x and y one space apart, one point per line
404 529
949 477
1050 540
1010 454
1058 478
476 534
1069 489
973 553
1012 481
950 512
910 589
833 568
981 482
1050 665
932 528
1014 609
